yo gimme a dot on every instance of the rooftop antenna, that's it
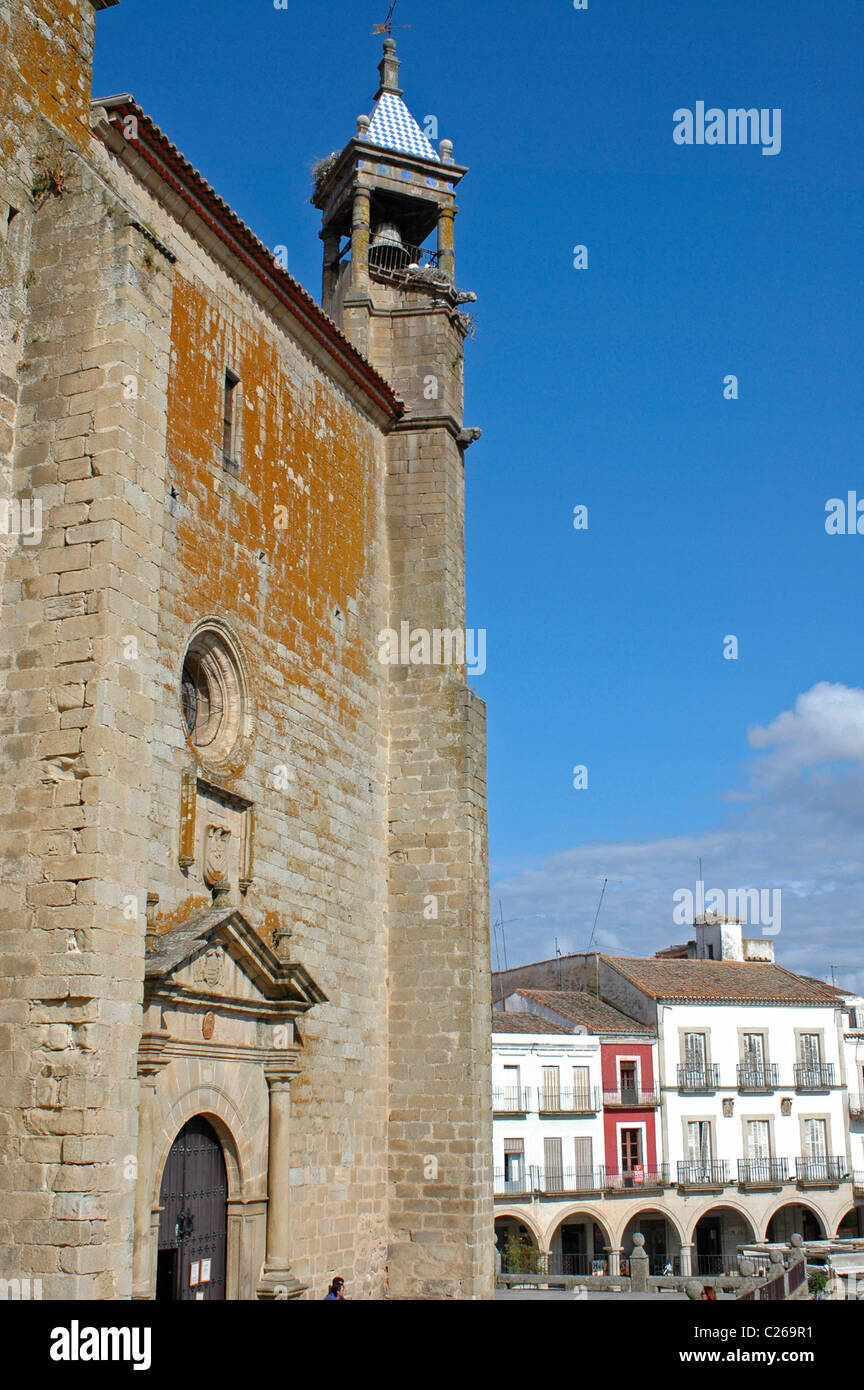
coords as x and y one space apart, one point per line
597 914
387 26
558 956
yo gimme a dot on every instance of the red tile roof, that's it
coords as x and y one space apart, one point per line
523 1023
721 981
585 1009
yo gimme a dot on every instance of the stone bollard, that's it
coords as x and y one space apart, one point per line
693 1289
639 1265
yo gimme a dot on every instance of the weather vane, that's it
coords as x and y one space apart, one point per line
387 26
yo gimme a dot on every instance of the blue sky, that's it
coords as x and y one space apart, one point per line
604 387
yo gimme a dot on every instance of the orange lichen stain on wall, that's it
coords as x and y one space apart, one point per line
167 921
278 547
47 61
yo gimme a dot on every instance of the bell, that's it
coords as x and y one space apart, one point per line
387 251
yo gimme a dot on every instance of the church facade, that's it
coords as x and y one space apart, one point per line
244 955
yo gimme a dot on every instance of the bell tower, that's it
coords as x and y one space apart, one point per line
388 204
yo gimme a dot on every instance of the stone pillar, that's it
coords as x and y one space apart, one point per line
613 1254
277 1281
360 234
358 302
686 1260
447 242
639 1265
142 1262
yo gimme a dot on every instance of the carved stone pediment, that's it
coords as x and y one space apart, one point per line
218 956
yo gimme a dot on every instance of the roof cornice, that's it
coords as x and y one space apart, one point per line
156 162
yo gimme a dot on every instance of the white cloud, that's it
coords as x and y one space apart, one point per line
797 825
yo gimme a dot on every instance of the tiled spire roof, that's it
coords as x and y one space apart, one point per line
394 128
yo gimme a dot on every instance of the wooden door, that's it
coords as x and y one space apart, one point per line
193 1225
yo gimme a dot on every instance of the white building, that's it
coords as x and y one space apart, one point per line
757 1126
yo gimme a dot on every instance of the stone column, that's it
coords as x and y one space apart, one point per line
446 242
277 1281
142 1262
639 1265
686 1260
360 234
614 1257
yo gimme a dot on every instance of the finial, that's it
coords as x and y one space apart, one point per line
363 124
446 148
388 69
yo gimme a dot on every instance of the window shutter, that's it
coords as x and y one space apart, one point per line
584 1156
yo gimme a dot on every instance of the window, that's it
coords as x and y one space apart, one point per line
512 1089
230 417
212 695
551 1088
514 1165
758 1141
581 1088
694 1051
699 1147
815 1140
554 1165
627 1080
811 1051
631 1150
754 1051
584 1157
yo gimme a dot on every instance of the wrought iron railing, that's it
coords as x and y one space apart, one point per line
712 1172
579 1102
390 257
762 1172
757 1076
550 1181
513 1100
508 1184
856 1106
637 1179
629 1098
814 1076
819 1172
704 1076
858 1184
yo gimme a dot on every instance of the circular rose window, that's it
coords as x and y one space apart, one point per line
212 695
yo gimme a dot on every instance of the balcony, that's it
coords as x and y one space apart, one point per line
585 1102
754 1173
703 1077
703 1175
514 1100
639 1180
819 1172
627 1098
858 1184
759 1077
814 1076
568 1182
856 1106
513 1185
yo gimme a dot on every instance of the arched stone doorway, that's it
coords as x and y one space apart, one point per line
716 1237
193 1222
579 1245
852 1224
662 1242
517 1245
794 1218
